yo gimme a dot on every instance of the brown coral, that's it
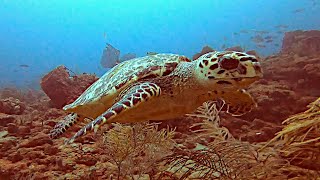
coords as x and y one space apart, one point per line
303 43
300 138
135 149
224 157
204 50
12 106
63 89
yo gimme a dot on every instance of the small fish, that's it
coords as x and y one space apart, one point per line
269 41
151 53
235 33
268 37
244 31
280 26
298 10
24 65
280 32
276 45
257 39
261 32
261 46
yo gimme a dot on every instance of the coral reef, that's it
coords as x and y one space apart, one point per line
300 74
302 43
300 138
130 146
253 52
228 158
133 148
206 144
13 93
225 160
288 86
204 50
235 48
63 89
12 106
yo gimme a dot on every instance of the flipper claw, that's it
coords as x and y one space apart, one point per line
63 125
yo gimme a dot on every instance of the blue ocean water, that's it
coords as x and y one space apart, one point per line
36 36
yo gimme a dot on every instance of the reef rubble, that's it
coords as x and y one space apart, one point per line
290 83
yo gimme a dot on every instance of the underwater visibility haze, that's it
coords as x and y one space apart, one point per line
180 89
45 34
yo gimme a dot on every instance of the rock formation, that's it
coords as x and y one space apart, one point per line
62 88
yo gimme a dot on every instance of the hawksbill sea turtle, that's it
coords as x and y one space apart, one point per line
163 86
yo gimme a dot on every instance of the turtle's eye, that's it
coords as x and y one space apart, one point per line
228 63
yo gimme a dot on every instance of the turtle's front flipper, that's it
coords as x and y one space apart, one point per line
132 98
239 102
64 124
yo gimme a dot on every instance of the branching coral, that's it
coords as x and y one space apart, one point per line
225 157
209 112
226 160
138 149
299 140
135 149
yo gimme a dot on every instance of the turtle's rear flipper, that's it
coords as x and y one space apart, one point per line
63 125
136 95
239 102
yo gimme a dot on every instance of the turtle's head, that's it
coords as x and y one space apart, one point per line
228 69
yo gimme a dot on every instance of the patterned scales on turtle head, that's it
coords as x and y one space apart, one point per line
138 91
227 73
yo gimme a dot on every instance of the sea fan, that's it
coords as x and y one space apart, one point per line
210 126
135 149
226 160
224 157
210 111
299 140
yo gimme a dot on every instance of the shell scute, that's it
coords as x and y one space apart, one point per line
124 74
